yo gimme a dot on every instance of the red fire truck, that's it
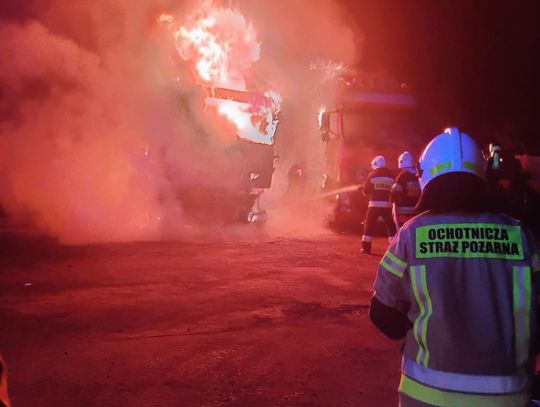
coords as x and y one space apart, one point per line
369 117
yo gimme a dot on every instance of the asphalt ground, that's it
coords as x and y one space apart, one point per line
270 322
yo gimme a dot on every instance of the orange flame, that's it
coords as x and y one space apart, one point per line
223 46
221 43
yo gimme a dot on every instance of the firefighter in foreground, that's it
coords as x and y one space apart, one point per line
460 283
405 191
377 187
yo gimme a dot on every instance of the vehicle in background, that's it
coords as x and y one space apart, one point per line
369 117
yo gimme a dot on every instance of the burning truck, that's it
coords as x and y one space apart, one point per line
252 119
368 116
219 48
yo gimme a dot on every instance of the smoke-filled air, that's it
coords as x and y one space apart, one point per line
132 120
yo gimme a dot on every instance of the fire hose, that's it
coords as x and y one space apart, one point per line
350 188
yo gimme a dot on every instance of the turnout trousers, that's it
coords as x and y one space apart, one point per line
370 225
372 216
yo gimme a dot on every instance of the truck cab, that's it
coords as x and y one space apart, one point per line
248 123
365 120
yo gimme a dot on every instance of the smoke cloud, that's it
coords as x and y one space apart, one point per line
98 144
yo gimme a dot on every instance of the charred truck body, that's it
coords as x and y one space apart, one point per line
250 119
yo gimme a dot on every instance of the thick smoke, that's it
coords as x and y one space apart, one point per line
298 35
295 34
97 144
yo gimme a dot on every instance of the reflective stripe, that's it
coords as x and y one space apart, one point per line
382 180
441 167
535 262
465 383
443 398
391 268
473 167
366 238
449 165
393 264
421 293
380 204
402 264
522 313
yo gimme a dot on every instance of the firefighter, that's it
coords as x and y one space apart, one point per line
377 188
507 180
297 187
460 283
405 191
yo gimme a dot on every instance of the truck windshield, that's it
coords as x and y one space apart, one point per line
379 125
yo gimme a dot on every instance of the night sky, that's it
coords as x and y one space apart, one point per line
471 63
475 64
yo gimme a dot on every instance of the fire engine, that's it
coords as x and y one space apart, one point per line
369 116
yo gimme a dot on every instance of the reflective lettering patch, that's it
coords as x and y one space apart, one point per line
382 183
473 240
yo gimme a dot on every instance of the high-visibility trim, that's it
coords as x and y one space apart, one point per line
535 261
383 180
449 165
366 238
380 204
396 260
442 398
441 167
465 383
421 294
416 335
391 268
522 313
473 167
429 313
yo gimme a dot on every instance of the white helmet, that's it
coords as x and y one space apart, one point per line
378 162
450 151
405 160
